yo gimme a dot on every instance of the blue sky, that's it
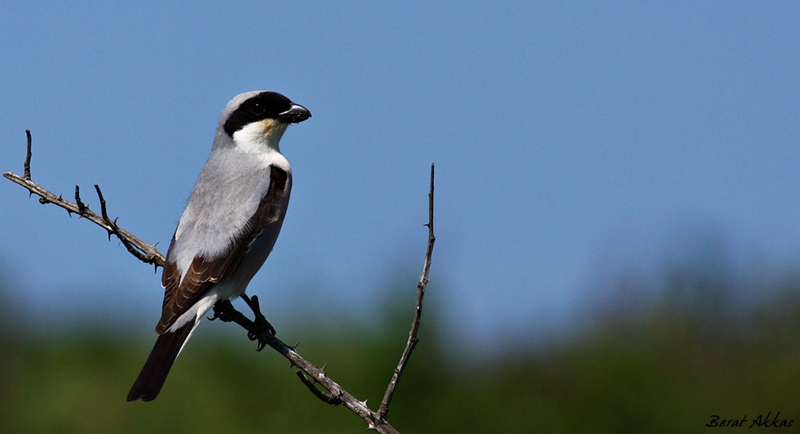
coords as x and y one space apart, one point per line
573 142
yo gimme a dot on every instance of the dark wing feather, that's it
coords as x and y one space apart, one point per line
179 295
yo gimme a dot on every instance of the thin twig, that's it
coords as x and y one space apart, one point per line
324 397
82 208
27 166
412 335
103 210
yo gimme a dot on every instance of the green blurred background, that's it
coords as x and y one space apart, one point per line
657 364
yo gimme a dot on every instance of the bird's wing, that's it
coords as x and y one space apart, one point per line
202 274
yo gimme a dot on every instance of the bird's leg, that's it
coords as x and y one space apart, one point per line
260 324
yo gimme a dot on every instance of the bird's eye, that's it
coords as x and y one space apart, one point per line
257 108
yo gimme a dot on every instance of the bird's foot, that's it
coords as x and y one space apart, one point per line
261 327
223 311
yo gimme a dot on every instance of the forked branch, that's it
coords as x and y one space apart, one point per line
308 373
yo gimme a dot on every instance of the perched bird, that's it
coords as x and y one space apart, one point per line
229 226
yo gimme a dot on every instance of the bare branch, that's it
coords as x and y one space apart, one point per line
383 411
256 329
143 251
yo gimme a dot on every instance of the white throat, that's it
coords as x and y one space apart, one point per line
260 137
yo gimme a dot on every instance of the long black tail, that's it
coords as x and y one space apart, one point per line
158 364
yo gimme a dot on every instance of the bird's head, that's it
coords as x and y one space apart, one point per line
257 119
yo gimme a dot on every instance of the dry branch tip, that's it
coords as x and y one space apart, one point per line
27 165
383 409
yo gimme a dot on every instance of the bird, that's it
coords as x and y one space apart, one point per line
229 226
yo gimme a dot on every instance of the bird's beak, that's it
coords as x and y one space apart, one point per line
295 115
